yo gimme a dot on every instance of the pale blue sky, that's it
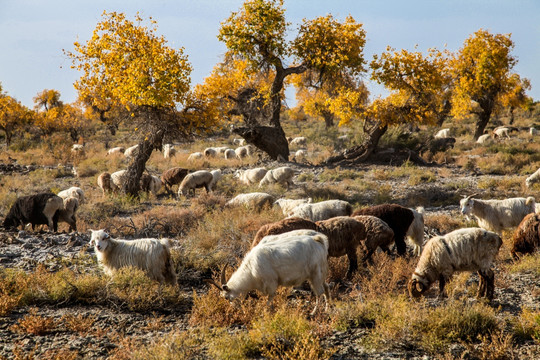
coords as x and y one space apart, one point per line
34 32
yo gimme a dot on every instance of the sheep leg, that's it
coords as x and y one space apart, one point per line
401 247
482 286
327 295
489 278
442 283
353 263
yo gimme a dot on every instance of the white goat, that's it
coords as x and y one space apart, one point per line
287 259
496 215
415 233
322 210
533 178
153 256
469 249
197 179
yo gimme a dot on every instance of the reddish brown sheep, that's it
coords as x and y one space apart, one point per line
378 234
172 177
526 239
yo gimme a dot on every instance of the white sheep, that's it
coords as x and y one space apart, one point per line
483 139
443 133
131 151
153 256
116 150
281 175
533 178
322 210
168 151
73 191
242 152
496 215
469 249
67 214
197 179
415 233
250 176
195 156
255 200
300 155
210 152
287 259
288 205
119 178
230 154
501 132
216 176
533 131
299 141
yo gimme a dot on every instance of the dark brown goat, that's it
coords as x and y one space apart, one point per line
526 239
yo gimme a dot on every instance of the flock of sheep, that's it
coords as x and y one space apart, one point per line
296 249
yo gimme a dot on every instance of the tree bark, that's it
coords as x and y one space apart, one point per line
483 120
269 139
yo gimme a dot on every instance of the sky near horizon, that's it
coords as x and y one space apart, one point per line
34 32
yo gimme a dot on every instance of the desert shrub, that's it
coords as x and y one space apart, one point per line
444 223
164 221
526 326
34 324
79 323
527 263
338 174
177 345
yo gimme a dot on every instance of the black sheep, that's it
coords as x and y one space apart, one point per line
35 209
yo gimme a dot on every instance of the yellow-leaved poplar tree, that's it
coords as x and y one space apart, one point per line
13 116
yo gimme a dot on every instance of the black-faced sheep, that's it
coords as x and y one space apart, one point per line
496 215
526 238
36 209
281 260
153 256
322 210
399 219
469 249
172 177
197 179
256 200
344 234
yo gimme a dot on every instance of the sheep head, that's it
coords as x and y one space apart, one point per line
416 288
99 239
466 204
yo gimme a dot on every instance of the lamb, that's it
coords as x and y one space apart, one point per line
195 156
378 234
150 183
116 150
250 176
197 179
173 176
153 256
322 210
72 192
287 205
415 233
281 260
443 133
344 235
168 151
526 239
483 139
256 200
131 151
533 178
67 213
36 209
496 215
230 154
281 175
469 249
105 183
399 219
300 141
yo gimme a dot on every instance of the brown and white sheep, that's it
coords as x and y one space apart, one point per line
378 234
526 238
38 209
105 183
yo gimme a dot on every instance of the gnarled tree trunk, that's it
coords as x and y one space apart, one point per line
269 139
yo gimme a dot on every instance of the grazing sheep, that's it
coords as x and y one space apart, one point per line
36 209
533 131
104 181
242 152
443 133
378 234
221 150
153 256
72 192
168 151
300 155
250 176
119 178
300 141
67 213
483 139
197 179
237 142
210 152
415 233
344 235
195 156
399 219
469 249
131 151
255 200
150 183
526 239
533 178
281 260
501 132
230 154
216 176
173 176
496 215
322 210
281 175
116 150
287 205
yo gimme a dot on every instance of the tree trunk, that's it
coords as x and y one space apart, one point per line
360 153
328 119
483 119
512 115
269 139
